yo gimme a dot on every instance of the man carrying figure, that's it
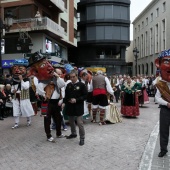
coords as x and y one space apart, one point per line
21 101
49 87
163 98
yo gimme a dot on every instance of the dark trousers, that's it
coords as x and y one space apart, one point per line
79 124
54 111
1 112
164 128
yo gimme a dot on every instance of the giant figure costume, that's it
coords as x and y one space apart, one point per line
21 100
49 87
163 98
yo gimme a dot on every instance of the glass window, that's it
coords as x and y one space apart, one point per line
100 12
147 21
99 32
64 25
109 11
164 6
48 46
90 13
91 32
108 32
151 17
157 12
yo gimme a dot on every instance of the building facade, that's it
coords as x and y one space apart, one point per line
151 35
52 32
103 34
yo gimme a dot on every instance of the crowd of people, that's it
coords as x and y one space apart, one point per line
63 92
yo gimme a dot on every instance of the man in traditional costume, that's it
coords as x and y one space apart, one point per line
129 98
21 100
49 87
101 85
163 98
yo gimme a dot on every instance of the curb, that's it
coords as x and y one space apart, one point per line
147 156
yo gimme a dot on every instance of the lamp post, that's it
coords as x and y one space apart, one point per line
136 53
4 26
24 42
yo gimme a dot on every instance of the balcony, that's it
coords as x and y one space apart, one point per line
31 24
53 5
59 4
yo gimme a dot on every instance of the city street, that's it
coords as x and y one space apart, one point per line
117 146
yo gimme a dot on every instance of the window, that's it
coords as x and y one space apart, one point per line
65 3
19 12
75 33
164 6
48 45
156 39
64 25
75 13
107 53
142 24
163 35
135 30
138 27
147 21
151 17
146 43
157 12
151 41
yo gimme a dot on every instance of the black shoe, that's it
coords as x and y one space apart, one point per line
71 136
1 118
81 143
161 154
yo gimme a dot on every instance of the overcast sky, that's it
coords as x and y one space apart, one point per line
136 8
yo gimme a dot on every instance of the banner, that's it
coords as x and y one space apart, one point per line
95 69
7 63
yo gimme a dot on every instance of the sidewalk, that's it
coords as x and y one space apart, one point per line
160 163
150 159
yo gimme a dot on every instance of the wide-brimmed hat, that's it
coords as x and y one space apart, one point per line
35 57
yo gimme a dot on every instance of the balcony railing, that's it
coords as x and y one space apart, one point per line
59 4
34 24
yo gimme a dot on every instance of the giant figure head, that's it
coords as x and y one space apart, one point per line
163 64
19 68
40 67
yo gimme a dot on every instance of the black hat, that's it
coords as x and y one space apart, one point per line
37 56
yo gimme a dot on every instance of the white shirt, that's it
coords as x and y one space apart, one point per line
158 96
108 86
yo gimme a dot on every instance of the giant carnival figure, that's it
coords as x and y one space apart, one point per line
21 100
163 98
49 87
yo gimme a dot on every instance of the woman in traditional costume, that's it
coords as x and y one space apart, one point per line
129 98
143 97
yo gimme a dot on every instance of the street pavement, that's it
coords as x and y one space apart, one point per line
119 146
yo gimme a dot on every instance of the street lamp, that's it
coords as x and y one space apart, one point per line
136 53
24 42
4 27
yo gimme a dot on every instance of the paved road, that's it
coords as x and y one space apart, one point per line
111 147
